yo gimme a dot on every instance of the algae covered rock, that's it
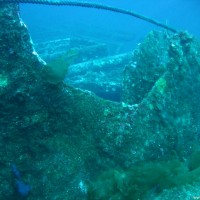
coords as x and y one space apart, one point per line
148 64
163 126
64 139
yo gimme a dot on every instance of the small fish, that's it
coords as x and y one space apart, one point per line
16 171
22 188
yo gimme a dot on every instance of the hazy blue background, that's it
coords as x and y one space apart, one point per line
51 22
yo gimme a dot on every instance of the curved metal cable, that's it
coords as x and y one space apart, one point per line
91 5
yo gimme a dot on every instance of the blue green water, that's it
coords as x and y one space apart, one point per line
51 22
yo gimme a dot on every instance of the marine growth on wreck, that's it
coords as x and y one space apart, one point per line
83 121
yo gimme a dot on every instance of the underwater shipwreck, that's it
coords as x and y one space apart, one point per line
120 127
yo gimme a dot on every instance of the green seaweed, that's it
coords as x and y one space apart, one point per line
194 161
161 85
145 179
56 70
